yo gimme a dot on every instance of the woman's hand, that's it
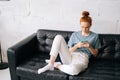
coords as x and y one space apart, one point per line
79 45
86 44
92 50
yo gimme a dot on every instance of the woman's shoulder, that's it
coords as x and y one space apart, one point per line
94 34
76 32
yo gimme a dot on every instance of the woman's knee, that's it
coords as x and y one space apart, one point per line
74 71
69 70
59 37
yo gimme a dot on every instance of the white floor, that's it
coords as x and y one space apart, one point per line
4 74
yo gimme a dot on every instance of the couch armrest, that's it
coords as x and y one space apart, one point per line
20 52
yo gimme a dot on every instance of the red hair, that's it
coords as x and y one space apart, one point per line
85 17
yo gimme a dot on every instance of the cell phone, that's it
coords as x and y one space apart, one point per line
83 41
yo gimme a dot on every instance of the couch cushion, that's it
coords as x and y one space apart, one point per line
100 70
110 47
29 69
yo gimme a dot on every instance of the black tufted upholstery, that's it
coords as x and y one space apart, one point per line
28 55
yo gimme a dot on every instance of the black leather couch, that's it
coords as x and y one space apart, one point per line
28 55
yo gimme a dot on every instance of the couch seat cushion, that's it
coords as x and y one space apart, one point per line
100 70
29 68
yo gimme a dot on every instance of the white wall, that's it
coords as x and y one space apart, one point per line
20 18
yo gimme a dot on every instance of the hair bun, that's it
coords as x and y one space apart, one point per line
85 13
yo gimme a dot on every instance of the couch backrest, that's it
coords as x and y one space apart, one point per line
46 37
110 43
110 46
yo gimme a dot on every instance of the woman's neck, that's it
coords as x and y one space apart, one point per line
85 33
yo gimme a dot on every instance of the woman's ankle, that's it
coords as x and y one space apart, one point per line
58 66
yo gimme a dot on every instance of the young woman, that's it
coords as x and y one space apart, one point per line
74 56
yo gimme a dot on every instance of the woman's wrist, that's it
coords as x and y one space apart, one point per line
75 47
90 47
93 51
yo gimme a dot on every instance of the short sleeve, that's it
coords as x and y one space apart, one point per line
70 42
97 43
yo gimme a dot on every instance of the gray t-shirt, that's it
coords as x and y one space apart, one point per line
92 38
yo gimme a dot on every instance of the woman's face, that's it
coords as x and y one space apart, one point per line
85 27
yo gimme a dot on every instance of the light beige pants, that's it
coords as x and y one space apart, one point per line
73 63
